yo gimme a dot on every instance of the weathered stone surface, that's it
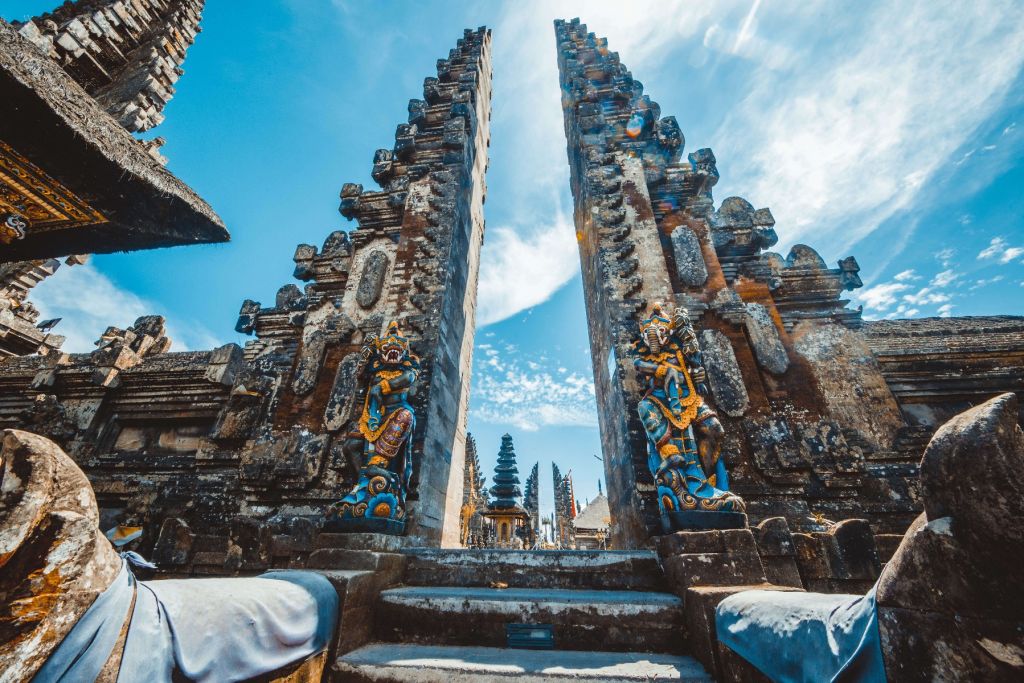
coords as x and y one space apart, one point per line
54 561
727 387
371 282
850 380
133 201
690 266
778 552
174 545
710 558
388 662
582 620
765 340
840 560
340 404
948 604
939 367
617 570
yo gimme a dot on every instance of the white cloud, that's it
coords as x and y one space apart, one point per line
945 278
906 276
984 282
999 249
945 256
946 310
823 143
534 397
88 302
926 295
769 54
881 297
519 272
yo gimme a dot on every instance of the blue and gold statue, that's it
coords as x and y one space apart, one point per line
684 435
377 502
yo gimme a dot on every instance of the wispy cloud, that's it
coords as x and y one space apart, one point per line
88 302
848 136
999 249
524 270
883 296
840 125
945 278
529 394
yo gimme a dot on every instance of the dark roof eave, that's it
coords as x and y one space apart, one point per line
49 119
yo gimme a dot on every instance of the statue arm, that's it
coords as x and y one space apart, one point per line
645 367
686 338
400 383
695 366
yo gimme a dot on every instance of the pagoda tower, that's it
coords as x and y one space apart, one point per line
505 510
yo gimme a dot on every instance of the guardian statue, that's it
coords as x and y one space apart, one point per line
684 434
377 501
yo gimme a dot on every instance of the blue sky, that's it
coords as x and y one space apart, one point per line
892 131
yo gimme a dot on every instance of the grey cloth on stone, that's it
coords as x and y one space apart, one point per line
204 630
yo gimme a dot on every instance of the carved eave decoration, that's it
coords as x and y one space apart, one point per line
72 179
27 192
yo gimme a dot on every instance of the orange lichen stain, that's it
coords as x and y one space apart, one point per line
46 591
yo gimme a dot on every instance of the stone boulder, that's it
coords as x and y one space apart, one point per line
950 602
54 561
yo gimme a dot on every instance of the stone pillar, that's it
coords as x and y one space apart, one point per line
617 234
415 259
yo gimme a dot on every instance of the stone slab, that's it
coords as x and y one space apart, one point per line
382 543
364 525
581 619
701 520
426 664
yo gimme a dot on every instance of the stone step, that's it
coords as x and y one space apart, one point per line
385 663
581 619
594 569
341 558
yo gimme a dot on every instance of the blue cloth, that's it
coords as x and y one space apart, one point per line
794 637
204 630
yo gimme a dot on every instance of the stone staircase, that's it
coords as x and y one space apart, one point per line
609 613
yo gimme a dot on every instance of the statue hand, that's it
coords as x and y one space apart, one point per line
698 375
373 423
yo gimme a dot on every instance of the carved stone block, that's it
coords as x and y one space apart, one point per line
690 266
724 375
371 281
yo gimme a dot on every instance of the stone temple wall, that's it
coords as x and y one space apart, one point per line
823 417
229 456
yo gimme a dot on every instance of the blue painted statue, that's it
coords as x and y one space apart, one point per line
684 435
377 502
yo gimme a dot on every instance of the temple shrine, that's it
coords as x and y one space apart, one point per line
321 475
